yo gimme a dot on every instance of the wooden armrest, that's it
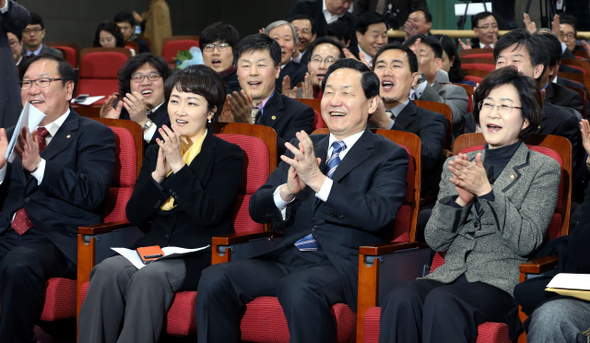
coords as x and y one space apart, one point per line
539 265
389 248
235 238
102 228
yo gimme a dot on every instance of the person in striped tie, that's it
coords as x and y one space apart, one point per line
331 193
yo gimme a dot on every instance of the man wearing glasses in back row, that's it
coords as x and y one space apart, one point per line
141 92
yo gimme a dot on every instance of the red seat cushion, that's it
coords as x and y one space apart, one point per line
60 299
181 316
486 333
265 321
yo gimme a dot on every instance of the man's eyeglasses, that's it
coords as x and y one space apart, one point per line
318 60
485 27
137 78
35 30
487 107
568 35
220 46
43 82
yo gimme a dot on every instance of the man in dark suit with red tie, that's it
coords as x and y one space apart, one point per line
333 193
57 182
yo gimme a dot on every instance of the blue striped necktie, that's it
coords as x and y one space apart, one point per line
308 243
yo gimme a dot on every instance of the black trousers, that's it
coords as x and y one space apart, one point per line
430 311
306 284
26 263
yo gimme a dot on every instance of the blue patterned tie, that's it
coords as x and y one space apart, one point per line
308 243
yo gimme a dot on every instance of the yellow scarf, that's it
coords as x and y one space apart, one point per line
188 156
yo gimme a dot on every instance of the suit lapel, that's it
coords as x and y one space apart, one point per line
63 137
512 172
361 150
203 160
272 111
321 151
549 93
436 87
406 116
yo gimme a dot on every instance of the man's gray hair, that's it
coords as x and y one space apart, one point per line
278 23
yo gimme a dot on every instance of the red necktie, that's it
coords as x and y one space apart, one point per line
21 222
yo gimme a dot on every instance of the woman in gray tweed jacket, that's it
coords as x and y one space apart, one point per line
493 209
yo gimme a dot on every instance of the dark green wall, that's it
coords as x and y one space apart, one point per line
76 20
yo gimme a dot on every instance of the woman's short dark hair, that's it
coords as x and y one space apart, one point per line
136 62
201 80
528 93
456 74
112 28
369 80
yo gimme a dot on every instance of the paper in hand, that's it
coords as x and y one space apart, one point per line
30 117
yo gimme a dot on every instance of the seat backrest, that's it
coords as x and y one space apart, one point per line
102 63
582 94
580 78
476 72
581 53
470 90
479 66
580 64
406 219
316 104
171 46
129 155
259 145
473 78
148 41
477 53
72 51
445 110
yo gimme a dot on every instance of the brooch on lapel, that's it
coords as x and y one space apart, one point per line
273 117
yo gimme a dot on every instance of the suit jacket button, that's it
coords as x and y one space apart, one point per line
476 225
314 229
167 236
341 216
26 199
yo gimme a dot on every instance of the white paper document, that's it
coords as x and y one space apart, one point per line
89 100
30 117
169 252
570 281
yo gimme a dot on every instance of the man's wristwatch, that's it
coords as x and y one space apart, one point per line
37 166
147 124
